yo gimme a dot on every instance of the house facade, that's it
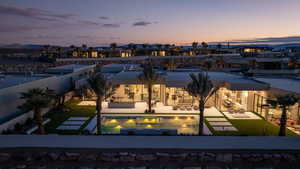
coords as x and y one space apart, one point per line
236 93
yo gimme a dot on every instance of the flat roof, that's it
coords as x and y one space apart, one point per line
116 68
13 80
292 85
67 68
181 79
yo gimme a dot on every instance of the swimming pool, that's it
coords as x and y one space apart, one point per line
183 124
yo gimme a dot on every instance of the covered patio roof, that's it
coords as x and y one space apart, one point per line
181 79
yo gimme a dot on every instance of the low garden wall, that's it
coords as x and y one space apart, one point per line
195 153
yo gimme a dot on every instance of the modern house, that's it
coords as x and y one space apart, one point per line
237 91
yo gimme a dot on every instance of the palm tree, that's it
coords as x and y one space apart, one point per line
36 99
113 47
201 87
78 51
90 51
204 45
149 77
194 46
103 89
283 102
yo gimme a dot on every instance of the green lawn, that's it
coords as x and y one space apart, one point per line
57 118
250 128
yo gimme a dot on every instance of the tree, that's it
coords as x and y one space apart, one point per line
103 89
78 51
113 47
90 51
283 102
195 46
36 99
201 87
204 45
149 77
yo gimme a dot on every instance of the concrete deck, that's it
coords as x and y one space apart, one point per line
140 107
244 116
151 142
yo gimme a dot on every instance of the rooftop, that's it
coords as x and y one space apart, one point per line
12 80
67 69
292 85
182 78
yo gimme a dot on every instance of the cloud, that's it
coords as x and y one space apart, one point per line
85 22
141 23
104 17
17 28
269 40
33 13
111 25
43 37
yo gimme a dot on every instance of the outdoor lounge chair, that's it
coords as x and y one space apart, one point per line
188 108
175 107
182 108
196 108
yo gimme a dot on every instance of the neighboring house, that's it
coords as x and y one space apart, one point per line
59 79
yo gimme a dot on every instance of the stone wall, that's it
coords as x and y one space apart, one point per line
138 159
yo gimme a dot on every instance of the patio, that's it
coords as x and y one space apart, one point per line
140 107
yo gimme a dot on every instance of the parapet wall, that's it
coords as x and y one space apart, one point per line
43 159
145 152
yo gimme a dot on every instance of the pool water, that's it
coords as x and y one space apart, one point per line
183 124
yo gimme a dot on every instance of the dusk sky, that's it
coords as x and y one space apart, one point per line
100 22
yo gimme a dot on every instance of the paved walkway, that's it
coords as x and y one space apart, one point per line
221 124
243 116
151 142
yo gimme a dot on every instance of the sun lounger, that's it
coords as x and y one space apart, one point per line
196 108
91 128
189 108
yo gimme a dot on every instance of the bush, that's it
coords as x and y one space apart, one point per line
18 127
29 121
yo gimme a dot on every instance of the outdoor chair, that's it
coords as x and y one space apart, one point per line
175 107
182 108
196 108
188 108
241 111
